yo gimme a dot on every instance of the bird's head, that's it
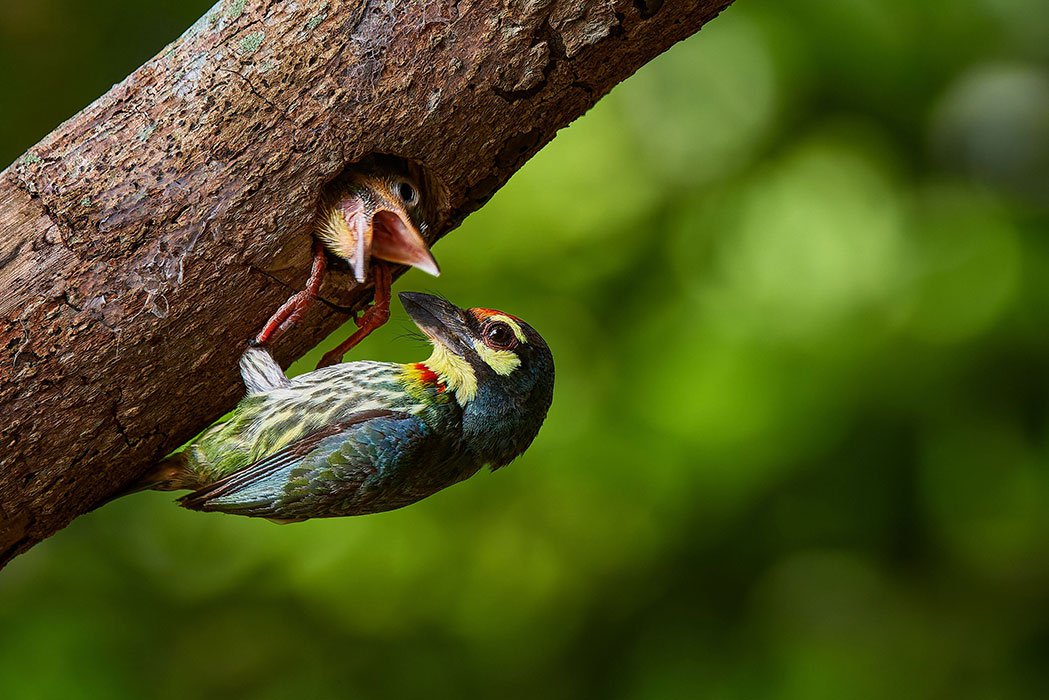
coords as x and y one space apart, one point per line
376 211
498 367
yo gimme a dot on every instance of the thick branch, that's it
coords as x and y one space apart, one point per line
146 238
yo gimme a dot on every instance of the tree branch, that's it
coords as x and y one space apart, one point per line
147 237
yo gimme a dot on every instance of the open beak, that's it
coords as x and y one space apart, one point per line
395 238
441 322
362 231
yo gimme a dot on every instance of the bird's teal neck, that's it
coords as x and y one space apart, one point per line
496 427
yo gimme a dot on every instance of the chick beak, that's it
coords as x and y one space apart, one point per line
441 322
397 240
360 231
350 235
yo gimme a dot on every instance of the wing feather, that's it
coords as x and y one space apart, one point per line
286 458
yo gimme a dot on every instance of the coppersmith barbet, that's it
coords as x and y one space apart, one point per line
365 437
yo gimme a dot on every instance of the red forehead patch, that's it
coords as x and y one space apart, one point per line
481 314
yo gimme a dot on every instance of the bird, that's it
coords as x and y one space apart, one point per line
365 437
372 217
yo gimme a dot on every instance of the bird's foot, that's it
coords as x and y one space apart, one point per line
292 311
376 315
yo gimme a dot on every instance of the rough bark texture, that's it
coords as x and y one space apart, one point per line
148 236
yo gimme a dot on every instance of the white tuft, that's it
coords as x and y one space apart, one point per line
260 371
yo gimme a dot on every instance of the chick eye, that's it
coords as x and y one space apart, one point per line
407 193
499 336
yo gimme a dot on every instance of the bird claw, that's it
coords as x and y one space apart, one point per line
292 311
373 317
329 359
301 301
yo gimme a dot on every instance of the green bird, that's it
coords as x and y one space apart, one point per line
365 437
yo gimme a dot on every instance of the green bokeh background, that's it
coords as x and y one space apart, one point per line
795 274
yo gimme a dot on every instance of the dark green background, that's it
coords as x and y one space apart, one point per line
795 274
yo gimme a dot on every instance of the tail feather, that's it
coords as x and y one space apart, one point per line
170 474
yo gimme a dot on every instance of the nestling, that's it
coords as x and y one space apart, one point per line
373 216
365 437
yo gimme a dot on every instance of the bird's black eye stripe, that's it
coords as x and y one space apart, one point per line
499 336
406 192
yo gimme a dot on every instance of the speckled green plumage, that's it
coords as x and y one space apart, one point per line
410 428
364 437
265 422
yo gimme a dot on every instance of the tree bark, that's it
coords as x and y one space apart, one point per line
147 237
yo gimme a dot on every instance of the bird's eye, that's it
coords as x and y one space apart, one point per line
499 336
407 193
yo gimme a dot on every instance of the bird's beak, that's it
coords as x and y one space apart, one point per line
348 232
396 239
441 322
387 233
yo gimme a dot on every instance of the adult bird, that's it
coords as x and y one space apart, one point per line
372 217
364 437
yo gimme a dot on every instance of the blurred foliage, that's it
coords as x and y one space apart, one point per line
795 274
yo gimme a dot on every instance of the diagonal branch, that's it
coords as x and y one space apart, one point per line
134 235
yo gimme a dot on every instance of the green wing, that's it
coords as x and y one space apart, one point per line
343 469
